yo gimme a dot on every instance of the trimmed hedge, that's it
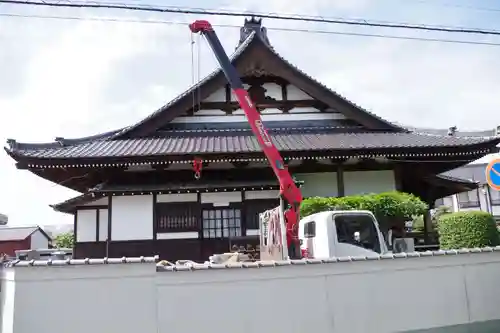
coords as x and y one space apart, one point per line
467 230
383 205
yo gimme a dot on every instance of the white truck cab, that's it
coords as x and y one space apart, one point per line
341 234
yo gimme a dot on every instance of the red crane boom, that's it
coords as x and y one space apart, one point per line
289 191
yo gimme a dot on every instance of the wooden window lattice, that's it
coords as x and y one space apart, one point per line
177 217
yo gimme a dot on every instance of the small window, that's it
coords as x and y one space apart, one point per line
495 196
310 229
468 199
221 222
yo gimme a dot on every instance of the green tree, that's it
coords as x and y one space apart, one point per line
64 240
388 204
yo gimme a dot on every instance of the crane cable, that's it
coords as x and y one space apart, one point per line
196 92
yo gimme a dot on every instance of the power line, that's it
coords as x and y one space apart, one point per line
312 31
188 10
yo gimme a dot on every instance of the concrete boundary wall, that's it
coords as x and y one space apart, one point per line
382 295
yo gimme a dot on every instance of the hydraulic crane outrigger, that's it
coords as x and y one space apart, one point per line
289 191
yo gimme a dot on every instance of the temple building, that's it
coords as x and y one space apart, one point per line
139 194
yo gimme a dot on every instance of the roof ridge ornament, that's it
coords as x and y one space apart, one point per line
254 24
452 130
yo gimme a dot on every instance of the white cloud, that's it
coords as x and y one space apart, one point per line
82 77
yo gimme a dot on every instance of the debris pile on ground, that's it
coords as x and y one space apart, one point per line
228 257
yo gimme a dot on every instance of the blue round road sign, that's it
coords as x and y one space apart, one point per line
493 174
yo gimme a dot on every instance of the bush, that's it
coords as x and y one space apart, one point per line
383 205
467 230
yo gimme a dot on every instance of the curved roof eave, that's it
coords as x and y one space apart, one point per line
489 133
13 145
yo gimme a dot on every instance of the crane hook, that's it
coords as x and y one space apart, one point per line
197 166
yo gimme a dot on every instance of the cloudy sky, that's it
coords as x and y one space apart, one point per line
99 70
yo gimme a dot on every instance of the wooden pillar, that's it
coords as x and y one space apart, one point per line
398 177
427 226
428 223
340 180
155 225
110 215
75 234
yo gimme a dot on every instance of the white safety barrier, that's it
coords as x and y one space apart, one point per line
379 294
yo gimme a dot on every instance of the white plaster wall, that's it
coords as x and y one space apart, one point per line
365 182
98 202
86 220
273 90
296 114
221 198
294 93
39 241
393 295
263 194
217 96
177 235
103 225
132 217
318 184
181 197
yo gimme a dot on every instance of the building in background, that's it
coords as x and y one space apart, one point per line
54 230
483 198
139 194
22 238
3 219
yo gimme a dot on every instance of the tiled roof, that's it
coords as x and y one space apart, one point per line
446 176
68 206
246 143
445 185
458 133
116 144
164 266
475 172
121 132
72 262
160 267
16 233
